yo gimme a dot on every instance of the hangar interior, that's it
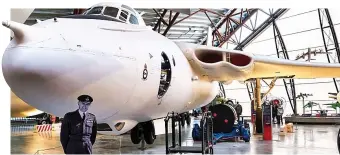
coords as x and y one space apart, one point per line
294 34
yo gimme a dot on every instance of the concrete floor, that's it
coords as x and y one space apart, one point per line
306 139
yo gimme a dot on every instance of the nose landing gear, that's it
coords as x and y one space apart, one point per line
144 131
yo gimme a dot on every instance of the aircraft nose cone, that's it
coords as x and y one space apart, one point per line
36 65
23 68
43 76
47 73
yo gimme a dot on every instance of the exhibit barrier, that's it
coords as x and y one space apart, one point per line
47 127
43 128
45 135
21 129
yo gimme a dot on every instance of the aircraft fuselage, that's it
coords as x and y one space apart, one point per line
118 64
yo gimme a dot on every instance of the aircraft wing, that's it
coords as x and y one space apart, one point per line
264 66
226 65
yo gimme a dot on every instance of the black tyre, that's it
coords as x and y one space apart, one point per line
43 122
135 135
149 132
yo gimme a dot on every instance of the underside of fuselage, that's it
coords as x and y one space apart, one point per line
19 108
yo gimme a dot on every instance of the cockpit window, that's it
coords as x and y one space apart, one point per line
128 8
123 15
95 10
133 20
86 11
110 11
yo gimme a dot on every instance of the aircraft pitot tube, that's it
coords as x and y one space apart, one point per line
25 34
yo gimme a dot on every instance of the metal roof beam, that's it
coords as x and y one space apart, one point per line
277 14
188 21
228 20
171 23
160 19
177 28
219 24
239 25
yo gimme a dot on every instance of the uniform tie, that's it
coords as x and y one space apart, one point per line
83 117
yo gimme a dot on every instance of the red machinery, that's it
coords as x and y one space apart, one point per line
267 121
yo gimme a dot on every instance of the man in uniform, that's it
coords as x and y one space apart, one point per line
79 128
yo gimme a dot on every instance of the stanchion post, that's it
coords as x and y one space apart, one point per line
166 120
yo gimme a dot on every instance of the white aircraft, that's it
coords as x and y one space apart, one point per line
134 74
18 107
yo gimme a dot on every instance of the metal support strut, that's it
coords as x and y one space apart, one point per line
255 33
257 126
289 86
271 86
332 36
162 21
258 93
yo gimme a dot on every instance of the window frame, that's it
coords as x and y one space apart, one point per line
101 11
124 12
118 11
136 19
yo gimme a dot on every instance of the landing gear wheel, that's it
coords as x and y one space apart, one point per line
135 135
43 122
149 132
230 102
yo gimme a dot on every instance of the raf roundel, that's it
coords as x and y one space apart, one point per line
145 72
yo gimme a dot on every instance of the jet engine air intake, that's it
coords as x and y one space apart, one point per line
239 60
221 65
